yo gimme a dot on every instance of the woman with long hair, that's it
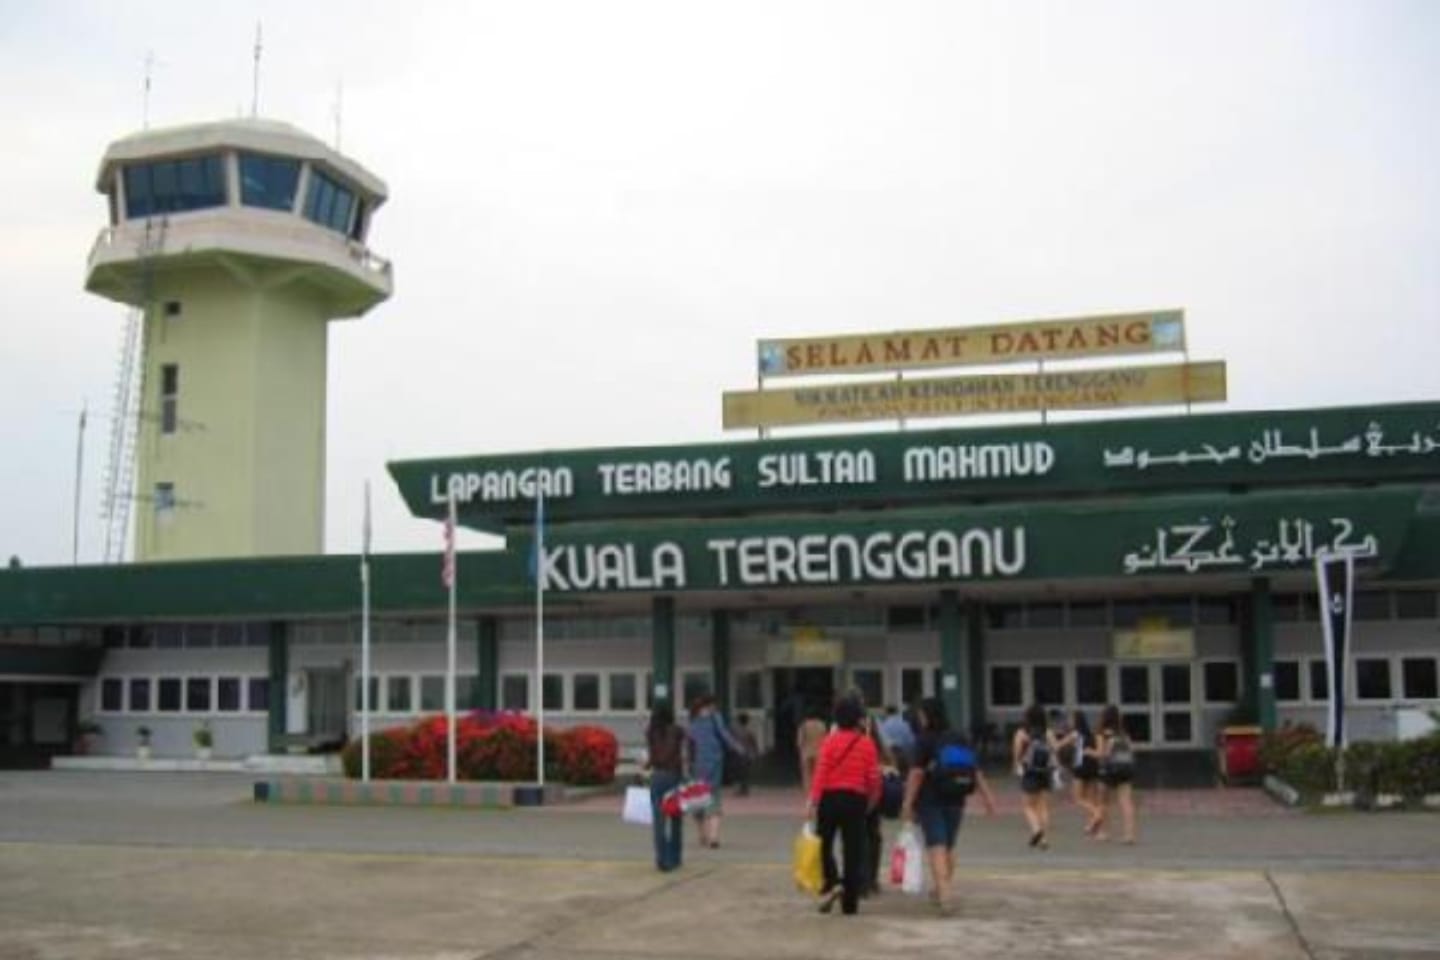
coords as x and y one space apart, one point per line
1079 743
1033 754
846 787
665 759
1116 756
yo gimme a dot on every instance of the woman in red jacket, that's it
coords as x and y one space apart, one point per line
845 788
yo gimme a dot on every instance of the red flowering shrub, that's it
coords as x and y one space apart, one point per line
588 755
488 746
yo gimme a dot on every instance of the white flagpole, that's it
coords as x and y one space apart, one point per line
365 642
450 651
540 633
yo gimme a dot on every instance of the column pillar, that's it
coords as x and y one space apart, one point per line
720 659
954 689
487 663
975 631
1260 666
662 651
278 655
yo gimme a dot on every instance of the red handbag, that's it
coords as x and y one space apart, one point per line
689 797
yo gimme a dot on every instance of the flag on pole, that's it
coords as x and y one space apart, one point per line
1335 574
447 569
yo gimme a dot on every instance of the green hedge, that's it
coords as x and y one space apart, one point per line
1409 769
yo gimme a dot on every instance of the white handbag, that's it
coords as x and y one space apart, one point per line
637 807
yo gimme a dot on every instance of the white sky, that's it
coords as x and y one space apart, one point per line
597 208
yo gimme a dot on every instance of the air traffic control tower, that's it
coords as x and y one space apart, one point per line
235 243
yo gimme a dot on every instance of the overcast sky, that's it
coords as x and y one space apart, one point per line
596 208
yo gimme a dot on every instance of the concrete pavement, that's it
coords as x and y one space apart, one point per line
117 867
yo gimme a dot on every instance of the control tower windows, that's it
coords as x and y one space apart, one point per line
174 186
268 182
328 202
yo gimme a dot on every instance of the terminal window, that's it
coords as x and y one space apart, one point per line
328 203
1372 678
174 186
1418 678
257 694
1287 681
515 692
622 691
140 694
586 691
268 182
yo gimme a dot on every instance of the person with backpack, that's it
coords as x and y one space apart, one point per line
708 741
1116 756
845 788
1079 743
944 774
1033 753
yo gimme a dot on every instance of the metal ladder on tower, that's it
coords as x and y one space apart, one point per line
125 405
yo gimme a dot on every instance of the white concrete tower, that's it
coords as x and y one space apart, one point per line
239 241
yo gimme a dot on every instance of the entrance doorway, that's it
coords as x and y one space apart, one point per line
796 692
1158 703
325 712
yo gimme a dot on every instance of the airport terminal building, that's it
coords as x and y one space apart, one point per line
1165 564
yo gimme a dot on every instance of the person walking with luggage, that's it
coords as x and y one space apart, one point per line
709 739
665 752
1033 754
941 779
1116 755
845 788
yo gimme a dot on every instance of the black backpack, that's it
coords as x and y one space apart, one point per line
1037 754
953 770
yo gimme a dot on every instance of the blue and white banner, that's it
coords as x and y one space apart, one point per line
1335 576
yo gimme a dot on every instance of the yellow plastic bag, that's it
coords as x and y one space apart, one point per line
809 875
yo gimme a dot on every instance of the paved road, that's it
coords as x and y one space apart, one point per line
121 866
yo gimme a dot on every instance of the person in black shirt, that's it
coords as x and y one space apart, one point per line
931 804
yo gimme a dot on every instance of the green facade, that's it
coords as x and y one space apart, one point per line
1230 451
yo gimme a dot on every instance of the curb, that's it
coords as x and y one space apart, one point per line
315 791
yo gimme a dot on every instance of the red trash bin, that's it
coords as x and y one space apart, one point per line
1239 753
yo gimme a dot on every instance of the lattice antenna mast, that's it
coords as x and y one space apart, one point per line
255 76
149 72
125 404
339 110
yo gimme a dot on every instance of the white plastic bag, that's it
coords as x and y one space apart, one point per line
637 807
908 861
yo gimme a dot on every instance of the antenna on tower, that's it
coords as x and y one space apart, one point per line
339 109
255 76
149 69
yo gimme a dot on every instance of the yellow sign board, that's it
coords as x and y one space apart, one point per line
1063 339
960 396
805 653
1154 643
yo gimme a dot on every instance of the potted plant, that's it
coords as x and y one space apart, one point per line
86 731
204 741
142 751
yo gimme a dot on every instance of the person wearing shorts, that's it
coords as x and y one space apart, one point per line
1115 782
939 822
1032 741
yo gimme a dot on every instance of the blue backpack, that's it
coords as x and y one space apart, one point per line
953 771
